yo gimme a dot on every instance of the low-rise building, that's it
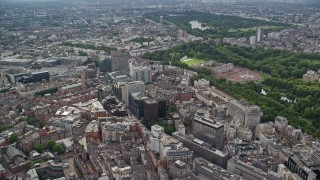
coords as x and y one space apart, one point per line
92 132
32 175
168 148
179 169
15 159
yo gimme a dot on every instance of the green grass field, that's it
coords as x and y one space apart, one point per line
192 61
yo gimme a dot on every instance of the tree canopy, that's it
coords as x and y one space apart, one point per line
282 71
220 25
39 148
89 46
13 138
50 144
58 148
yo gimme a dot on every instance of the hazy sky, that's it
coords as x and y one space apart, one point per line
299 1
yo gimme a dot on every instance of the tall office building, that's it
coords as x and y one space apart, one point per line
253 40
209 131
252 116
161 19
139 73
136 104
296 19
259 34
105 65
120 62
162 108
151 110
131 87
83 80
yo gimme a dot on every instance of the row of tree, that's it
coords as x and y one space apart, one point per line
52 146
89 46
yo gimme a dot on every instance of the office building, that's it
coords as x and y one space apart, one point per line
169 149
136 104
55 169
259 34
155 109
32 175
114 132
252 116
92 132
40 76
209 131
208 170
202 149
181 154
131 87
83 80
253 40
246 170
296 19
118 77
305 164
120 62
247 116
236 109
140 73
161 20
157 131
105 65
31 78
179 169
151 110
280 122
162 108
201 83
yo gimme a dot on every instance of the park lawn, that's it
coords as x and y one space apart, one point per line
192 61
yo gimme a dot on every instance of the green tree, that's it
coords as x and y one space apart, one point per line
173 109
44 177
58 148
50 144
41 125
90 60
82 53
31 121
39 148
284 70
13 138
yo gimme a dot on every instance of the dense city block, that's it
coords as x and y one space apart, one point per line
159 90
